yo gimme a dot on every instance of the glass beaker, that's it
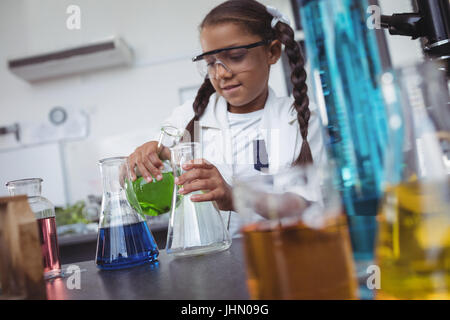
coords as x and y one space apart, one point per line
194 227
302 249
124 239
155 197
413 245
44 212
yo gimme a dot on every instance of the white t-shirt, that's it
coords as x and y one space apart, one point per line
244 136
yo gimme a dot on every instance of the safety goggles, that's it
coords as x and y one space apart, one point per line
233 60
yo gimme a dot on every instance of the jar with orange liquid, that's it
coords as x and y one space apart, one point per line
296 239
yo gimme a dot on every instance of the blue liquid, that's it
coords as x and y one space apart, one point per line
361 216
125 246
362 234
363 231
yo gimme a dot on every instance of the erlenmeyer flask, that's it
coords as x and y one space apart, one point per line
155 197
194 227
413 245
124 239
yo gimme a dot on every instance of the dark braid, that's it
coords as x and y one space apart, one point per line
285 34
199 106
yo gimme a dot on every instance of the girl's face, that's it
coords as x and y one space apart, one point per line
245 90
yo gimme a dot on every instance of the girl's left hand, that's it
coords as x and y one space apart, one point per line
202 175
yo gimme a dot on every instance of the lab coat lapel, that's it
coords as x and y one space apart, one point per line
278 132
215 120
214 113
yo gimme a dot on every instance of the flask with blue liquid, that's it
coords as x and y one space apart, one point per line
345 64
124 239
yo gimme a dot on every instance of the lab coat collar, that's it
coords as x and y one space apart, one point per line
216 114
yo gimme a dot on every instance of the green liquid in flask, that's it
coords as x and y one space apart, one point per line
155 197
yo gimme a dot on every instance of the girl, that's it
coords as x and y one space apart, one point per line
243 127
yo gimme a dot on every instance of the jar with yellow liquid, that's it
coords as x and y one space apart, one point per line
413 243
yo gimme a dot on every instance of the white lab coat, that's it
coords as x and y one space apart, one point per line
278 127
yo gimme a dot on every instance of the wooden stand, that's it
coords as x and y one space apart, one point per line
21 269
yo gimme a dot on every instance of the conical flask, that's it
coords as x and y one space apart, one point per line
413 245
155 197
194 227
124 239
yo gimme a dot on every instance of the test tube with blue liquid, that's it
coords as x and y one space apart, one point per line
346 64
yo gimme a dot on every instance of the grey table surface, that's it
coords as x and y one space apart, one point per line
220 276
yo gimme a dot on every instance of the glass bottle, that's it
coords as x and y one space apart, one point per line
194 227
155 197
413 245
124 239
44 211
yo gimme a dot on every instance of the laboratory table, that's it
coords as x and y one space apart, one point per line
218 275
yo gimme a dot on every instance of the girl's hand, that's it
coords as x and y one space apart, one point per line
202 175
147 161
279 206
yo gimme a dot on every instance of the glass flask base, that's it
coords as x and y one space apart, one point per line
126 264
52 274
196 251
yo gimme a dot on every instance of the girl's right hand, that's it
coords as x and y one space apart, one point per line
147 161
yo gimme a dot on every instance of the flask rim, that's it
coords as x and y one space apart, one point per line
23 181
186 145
172 131
111 160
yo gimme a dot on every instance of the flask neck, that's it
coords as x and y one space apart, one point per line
28 187
119 203
114 172
169 137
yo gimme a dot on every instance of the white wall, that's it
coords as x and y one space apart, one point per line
125 105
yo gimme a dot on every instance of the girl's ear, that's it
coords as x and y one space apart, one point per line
274 52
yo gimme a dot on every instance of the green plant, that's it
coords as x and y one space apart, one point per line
71 214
